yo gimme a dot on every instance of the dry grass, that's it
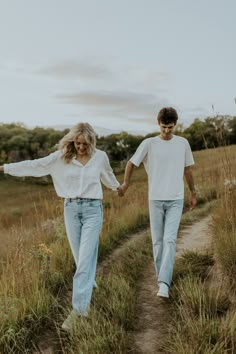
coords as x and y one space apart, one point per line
205 308
35 257
114 306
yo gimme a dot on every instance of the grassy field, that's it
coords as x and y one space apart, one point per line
205 287
204 284
36 263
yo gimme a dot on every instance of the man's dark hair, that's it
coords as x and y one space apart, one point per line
167 115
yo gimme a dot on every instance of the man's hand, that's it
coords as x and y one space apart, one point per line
122 189
124 186
189 178
193 200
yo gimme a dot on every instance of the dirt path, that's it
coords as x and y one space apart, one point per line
47 344
154 313
105 265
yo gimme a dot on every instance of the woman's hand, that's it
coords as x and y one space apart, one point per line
1 169
122 189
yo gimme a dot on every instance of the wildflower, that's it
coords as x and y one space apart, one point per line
44 249
230 183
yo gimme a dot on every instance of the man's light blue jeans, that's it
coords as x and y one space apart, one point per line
164 221
83 221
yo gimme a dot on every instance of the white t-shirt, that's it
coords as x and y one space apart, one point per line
73 179
164 162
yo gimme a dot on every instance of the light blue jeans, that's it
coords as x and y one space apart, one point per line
164 221
83 222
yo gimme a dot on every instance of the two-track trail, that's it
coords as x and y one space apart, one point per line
154 315
48 343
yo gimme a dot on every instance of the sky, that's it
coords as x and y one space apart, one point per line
115 64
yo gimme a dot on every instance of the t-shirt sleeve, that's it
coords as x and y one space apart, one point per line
189 161
140 154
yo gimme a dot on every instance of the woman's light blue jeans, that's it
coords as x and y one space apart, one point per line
164 221
83 222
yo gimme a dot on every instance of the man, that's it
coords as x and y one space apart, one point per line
167 158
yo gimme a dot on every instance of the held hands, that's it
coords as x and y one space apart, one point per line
122 189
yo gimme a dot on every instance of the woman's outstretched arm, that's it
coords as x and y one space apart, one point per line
34 168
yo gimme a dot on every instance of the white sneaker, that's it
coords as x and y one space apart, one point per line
70 321
163 290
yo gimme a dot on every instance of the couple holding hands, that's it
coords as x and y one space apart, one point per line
77 169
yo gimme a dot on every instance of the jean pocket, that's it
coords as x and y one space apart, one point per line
94 203
66 202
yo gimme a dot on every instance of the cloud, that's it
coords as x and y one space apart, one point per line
71 69
107 73
126 104
193 111
196 110
110 90
188 113
150 79
148 120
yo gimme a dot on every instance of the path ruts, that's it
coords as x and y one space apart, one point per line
153 313
49 341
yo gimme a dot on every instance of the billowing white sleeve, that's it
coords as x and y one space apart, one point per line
35 168
107 176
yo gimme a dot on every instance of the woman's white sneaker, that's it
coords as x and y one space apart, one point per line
70 321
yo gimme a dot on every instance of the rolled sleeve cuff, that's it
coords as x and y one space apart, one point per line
5 168
114 188
189 164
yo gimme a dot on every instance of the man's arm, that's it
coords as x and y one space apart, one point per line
128 173
190 181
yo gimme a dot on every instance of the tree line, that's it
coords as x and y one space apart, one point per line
19 143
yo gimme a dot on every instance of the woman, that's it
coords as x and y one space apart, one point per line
77 169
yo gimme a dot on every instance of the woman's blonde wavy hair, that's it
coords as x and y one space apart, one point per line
66 144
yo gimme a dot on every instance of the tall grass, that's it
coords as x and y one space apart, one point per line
36 265
114 306
213 166
224 232
204 299
202 309
35 260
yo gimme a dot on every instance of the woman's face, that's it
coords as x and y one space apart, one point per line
81 145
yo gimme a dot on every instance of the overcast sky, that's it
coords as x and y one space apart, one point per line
114 63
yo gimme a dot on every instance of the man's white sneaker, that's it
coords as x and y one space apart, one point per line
163 290
70 321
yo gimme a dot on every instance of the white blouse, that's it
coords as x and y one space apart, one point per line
70 180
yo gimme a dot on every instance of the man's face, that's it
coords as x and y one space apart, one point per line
167 130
